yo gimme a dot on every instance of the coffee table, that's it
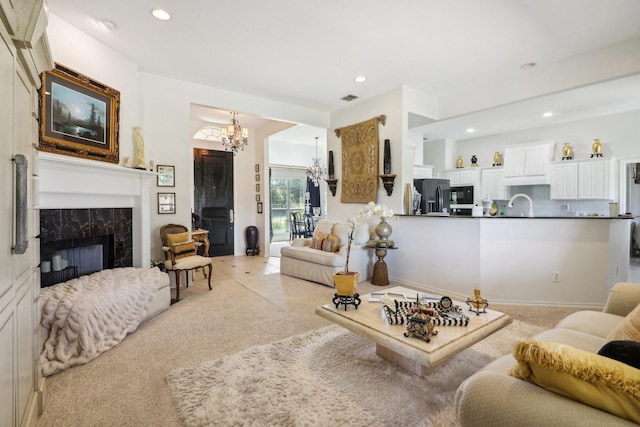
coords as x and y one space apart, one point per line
413 354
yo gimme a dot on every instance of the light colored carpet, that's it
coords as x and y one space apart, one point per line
250 304
329 376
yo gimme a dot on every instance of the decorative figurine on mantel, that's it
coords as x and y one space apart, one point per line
567 151
139 146
596 148
477 303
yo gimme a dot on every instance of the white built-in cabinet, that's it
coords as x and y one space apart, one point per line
595 180
422 171
527 164
492 184
463 176
564 181
24 54
585 179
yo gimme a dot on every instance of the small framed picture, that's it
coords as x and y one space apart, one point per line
257 168
166 203
166 176
257 188
257 177
257 197
259 207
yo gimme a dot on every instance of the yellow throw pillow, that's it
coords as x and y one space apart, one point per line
182 250
317 240
628 329
586 377
173 238
331 243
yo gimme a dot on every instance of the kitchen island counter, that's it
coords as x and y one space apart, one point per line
543 260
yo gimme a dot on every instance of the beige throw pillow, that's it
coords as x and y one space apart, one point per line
628 329
331 243
317 240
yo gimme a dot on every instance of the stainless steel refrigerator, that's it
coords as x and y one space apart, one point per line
436 195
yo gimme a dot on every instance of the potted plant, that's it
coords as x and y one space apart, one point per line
347 281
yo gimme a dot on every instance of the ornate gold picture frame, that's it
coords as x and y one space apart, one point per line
79 116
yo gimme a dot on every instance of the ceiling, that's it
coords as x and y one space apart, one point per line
307 53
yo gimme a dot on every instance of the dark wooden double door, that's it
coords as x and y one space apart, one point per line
213 198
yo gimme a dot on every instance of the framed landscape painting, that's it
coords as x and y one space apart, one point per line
79 116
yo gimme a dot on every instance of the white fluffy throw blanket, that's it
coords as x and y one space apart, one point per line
87 316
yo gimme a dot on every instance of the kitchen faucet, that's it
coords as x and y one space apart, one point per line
510 204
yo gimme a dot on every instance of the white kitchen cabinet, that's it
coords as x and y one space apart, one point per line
564 181
595 180
23 55
582 180
492 184
527 164
422 171
463 176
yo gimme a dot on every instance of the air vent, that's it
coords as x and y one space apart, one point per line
349 98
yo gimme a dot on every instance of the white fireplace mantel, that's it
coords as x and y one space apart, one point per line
70 183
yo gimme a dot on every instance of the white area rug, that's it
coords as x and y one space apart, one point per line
329 376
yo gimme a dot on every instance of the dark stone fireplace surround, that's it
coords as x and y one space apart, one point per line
66 228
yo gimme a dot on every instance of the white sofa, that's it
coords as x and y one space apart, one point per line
493 397
316 265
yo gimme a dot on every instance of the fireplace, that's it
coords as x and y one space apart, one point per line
85 240
85 203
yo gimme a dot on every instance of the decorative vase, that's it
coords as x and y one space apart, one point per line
596 148
567 151
459 162
383 230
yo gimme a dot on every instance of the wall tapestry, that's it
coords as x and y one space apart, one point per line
360 161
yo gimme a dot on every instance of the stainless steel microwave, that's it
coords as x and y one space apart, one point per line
462 195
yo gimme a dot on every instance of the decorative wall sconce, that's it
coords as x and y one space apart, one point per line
387 177
387 182
332 181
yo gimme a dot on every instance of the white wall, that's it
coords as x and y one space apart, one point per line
389 104
161 107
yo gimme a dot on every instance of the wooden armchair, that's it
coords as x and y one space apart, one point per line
180 253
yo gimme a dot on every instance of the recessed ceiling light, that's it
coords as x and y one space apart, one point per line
161 14
470 130
547 114
528 65
105 24
360 79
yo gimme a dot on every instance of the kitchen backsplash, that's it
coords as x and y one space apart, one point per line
543 206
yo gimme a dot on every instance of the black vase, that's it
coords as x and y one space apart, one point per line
251 235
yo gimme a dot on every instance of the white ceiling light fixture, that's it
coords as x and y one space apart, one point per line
470 130
105 24
316 172
360 79
161 14
234 137
547 114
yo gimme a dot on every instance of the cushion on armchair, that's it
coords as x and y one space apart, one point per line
583 376
181 245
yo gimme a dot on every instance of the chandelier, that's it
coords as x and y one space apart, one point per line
234 137
315 172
